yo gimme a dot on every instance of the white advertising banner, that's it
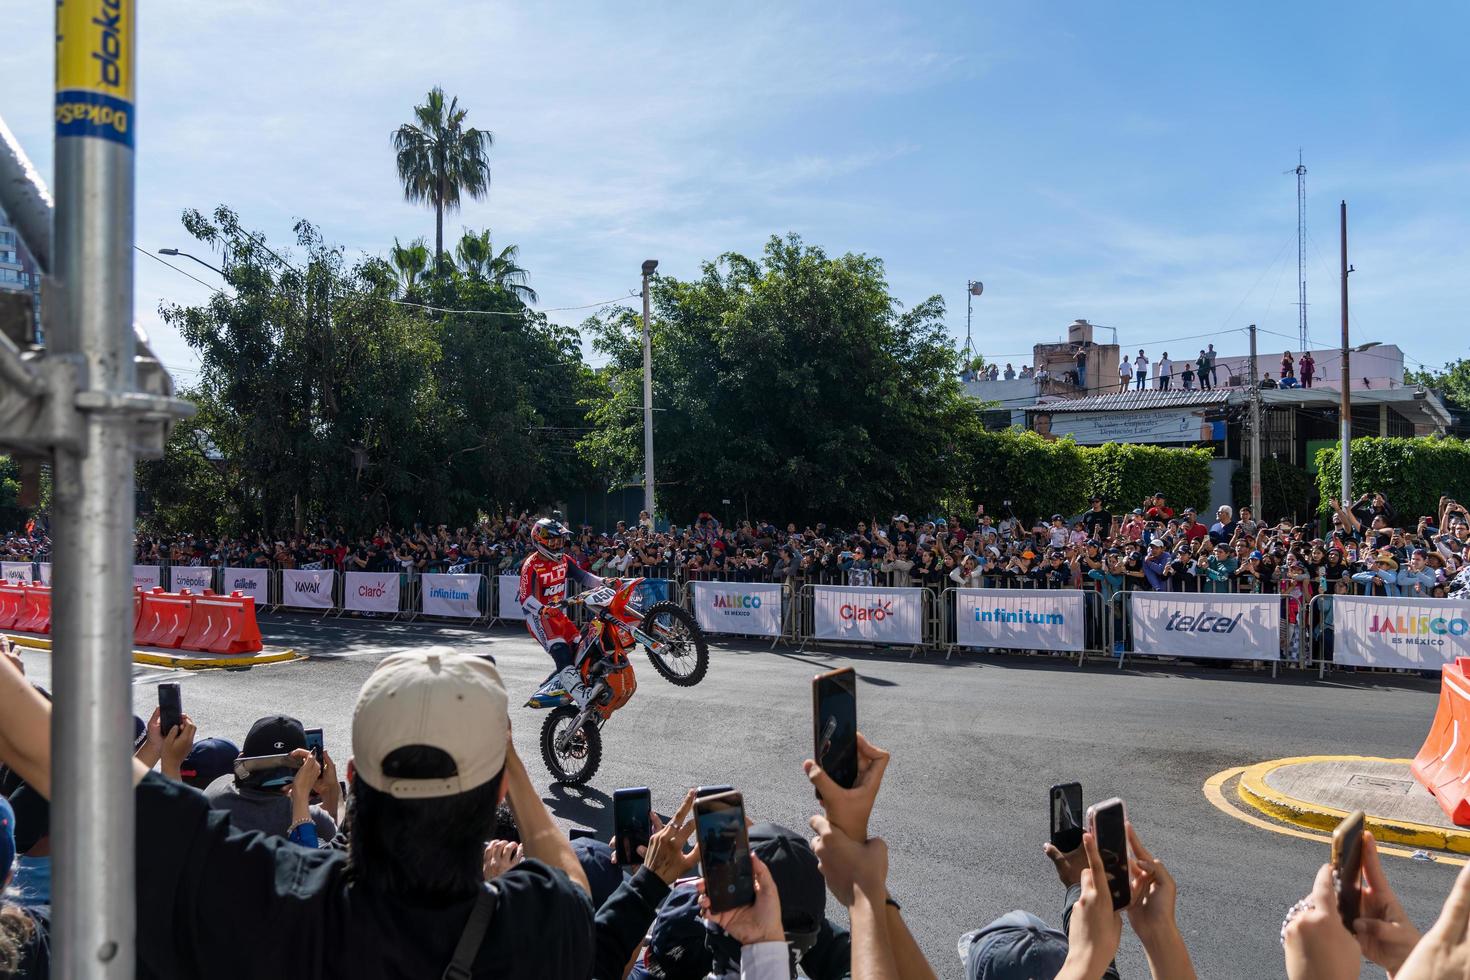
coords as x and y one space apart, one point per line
454 596
860 614
1408 632
1191 624
746 608
45 568
507 587
307 588
1020 619
147 577
192 577
254 582
15 572
372 592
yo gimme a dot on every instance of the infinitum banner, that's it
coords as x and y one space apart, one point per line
453 596
1020 619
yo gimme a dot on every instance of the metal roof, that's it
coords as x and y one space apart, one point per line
1136 401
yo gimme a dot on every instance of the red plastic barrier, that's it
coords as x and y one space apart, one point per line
35 614
1443 763
164 618
12 601
224 624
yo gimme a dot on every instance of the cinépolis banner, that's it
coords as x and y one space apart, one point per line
1408 632
1020 619
861 614
1191 624
307 588
453 596
745 608
254 582
195 578
371 592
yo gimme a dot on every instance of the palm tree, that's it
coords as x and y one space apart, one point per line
410 261
478 260
438 159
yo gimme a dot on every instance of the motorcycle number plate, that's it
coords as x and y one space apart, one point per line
599 597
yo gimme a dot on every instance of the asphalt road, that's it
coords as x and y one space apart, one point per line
976 743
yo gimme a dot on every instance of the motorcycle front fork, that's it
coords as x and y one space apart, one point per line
564 742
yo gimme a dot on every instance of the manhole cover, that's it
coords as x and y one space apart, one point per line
1382 784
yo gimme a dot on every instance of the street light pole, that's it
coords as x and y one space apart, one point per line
648 267
1346 409
1256 511
186 255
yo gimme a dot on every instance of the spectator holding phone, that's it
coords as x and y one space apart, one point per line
259 800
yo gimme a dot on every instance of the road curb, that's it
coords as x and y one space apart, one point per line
181 662
1254 791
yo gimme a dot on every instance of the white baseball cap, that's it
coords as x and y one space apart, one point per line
436 698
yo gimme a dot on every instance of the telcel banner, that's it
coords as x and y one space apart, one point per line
747 608
194 578
1187 624
506 607
254 582
1020 619
1408 632
860 614
372 592
14 572
308 588
147 577
455 596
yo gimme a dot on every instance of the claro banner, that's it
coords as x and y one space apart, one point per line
254 582
1227 627
372 592
1020 619
746 608
1413 633
507 587
307 588
869 615
454 596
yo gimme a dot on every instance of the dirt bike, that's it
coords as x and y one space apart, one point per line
571 738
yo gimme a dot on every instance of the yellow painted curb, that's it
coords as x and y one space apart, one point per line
1254 791
182 662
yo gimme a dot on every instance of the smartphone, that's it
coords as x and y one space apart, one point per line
834 724
316 743
712 790
1347 866
1066 817
170 707
632 823
724 851
1106 821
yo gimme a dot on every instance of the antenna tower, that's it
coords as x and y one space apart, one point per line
1301 250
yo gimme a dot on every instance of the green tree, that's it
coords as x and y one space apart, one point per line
794 384
439 159
410 262
12 515
1286 491
479 260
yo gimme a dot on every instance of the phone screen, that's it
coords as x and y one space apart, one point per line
724 851
834 717
1347 866
316 743
712 790
632 824
1066 816
170 707
1112 846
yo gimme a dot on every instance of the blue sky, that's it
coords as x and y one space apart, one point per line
1119 162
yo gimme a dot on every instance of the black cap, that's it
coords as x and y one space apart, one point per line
676 947
276 735
798 877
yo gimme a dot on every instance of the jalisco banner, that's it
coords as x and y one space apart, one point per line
1020 619
1407 631
372 592
13 572
195 578
1187 624
147 577
869 615
254 582
454 596
506 589
308 588
747 608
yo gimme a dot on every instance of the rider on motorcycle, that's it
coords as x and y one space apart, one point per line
543 586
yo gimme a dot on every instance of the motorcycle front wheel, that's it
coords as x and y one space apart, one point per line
579 762
682 655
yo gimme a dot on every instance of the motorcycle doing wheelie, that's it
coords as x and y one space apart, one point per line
571 737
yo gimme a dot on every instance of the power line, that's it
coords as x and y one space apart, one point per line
177 269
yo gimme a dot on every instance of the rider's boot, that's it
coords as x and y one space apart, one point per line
569 679
562 684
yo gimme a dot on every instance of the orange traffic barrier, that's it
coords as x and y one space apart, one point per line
224 624
12 601
1443 763
164 618
35 614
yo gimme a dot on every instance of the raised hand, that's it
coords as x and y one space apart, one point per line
849 809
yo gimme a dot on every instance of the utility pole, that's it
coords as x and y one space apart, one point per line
972 289
1346 410
648 267
1256 511
1301 249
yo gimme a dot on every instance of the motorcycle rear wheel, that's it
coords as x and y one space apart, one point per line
684 659
579 763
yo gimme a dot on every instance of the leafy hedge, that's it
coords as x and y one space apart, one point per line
1124 473
1286 490
1412 473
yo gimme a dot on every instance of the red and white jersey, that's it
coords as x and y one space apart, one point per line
544 580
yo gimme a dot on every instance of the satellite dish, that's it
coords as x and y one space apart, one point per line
976 288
